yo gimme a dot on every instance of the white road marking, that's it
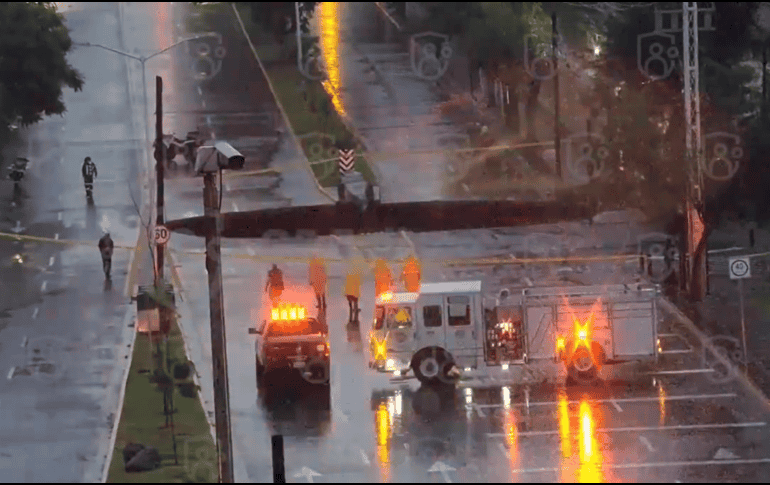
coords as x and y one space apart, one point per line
24 342
364 458
34 312
43 286
480 411
637 429
200 91
50 261
616 405
56 236
661 464
10 373
628 399
647 444
60 216
235 207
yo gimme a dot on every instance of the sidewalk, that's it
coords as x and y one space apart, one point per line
392 112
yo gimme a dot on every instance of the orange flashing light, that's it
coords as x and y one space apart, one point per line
287 312
387 296
560 345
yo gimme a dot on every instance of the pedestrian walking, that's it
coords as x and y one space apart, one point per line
411 275
274 285
89 173
317 278
106 246
383 279
353 291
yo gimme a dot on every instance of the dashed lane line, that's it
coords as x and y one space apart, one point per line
661 464
647 444
35 312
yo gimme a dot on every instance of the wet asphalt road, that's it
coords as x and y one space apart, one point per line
64 333
681 428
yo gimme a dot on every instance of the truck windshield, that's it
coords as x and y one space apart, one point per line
398 317
285 328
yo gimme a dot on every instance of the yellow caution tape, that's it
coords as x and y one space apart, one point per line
305 259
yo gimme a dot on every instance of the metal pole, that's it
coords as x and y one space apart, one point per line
299 39
743 324
160 155
218 339
146 114
557 130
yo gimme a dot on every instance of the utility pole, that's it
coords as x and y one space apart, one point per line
218 339
695 262
557 130
160 157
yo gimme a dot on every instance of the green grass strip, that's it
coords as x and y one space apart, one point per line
142 421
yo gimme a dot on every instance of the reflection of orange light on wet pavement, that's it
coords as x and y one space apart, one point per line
330 45
662 403
511 437
383 440
564 434
590 470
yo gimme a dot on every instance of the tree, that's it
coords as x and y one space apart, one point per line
33 65
279 18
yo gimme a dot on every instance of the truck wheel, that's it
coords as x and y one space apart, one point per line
430 366
581 370
260 375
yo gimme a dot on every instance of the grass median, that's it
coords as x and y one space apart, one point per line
143 421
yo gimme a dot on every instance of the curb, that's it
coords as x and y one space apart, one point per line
740 376
130 315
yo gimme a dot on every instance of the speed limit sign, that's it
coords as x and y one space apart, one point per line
161 235
739 268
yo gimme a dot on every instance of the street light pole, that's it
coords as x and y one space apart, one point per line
159 163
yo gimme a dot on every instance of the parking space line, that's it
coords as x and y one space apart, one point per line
34 312
661 464
619 400
43 286
616 405
10 373
636 429
364 458
50 261
647 444
60 216
24 342
200 91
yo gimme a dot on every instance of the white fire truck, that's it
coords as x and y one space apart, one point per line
445 330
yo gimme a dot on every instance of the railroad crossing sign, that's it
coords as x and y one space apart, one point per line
347 158
740 267
162 235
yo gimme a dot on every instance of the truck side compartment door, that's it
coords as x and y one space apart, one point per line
540 331
461 329
430 331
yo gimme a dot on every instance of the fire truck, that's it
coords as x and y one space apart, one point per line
290 339
446 330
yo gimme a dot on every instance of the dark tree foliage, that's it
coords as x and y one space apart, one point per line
279 18
33 65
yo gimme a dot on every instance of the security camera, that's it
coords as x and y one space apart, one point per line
221 155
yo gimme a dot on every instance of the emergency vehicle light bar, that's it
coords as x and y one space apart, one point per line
287 312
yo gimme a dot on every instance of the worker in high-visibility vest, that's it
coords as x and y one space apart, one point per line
317 279
353 291
411 275
383 279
